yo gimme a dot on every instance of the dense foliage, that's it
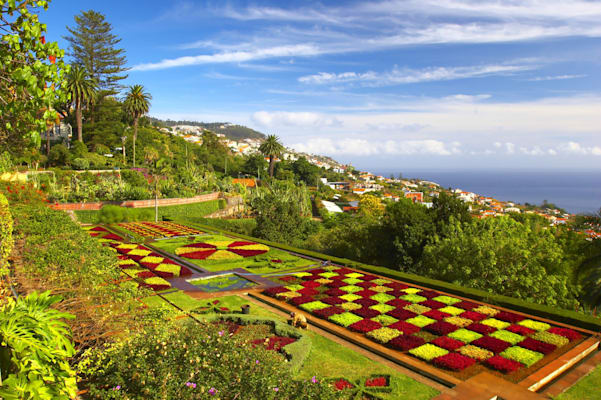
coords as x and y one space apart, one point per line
191 361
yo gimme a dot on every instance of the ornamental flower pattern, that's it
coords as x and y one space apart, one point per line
448 332
221 250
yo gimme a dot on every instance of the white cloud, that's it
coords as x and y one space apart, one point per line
231 56
299 119
577 149
362 147
555 78
403 76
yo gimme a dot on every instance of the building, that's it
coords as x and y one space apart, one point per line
416 197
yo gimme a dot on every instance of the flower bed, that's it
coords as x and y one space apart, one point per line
159 229
448 332
221 250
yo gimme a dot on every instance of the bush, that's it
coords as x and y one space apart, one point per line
189 360
59 155
134 178
80 163
111 214
6 238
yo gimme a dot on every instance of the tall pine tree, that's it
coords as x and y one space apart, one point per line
94 46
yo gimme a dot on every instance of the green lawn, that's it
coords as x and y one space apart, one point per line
588 388
180 212
179 298
259 264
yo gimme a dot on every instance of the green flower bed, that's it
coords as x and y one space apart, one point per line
382 297
350 306
495 323
383 308
551 338
428 352
383 335
536 325
314 305
385 319
475 352
464 335
421 321
521 355
345 319
411 290
351 281
414 298
354 275
451 310
417 308
351 288
350 297
447 300
507 336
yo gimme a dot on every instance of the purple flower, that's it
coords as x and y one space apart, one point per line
314 379
275 389
212 391
256 361
220 333
191 385
117 387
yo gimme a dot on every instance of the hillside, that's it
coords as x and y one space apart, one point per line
231 131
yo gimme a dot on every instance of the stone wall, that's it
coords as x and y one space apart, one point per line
136 203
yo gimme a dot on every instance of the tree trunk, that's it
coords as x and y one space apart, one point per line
135 137
271 164
78 117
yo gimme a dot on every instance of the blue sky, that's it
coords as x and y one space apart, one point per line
411 84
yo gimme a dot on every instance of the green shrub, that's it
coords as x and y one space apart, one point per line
80 163
111 214
521 355
191 361
6 231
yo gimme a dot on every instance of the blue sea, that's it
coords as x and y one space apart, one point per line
575 191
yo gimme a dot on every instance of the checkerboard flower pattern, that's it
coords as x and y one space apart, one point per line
221 250
443 330
159 229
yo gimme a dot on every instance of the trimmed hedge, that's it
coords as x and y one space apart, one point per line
6 234
560 315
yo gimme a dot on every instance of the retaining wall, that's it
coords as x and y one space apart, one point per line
136 203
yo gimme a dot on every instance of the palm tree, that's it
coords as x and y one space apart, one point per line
137 103
272 148
82 88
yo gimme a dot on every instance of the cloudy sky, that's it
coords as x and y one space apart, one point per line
430 84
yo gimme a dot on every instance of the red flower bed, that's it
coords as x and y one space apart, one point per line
466 305
275 342
155 287
276 260
490 343
365 293
316 271
454 361
368 277
433 304
502 364
272 291
365 325
396 286
366 285
98 229
287 278
145 274
335 292
93 234
366 312
441 328
197 255
310 284
328 312
481 328
333 300
344 271
428 294
536 345
246 253
565 332
509 317
400 303
342 384
308 291
405 342
401 314
474 316
365 302
447 343
404 327
520 330
240 243
112 236
336 284
435 314
379 381
201 245
297 301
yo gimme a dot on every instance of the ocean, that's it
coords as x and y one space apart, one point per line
575 191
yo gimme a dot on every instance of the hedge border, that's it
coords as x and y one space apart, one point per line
296 353
560 315
6 235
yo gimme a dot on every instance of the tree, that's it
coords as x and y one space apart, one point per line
371 206
31 75
93 45
447 206
136 104
305 171
82 88
254 164
271 148
505 257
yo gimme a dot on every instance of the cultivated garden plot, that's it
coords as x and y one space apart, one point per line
222 283
220 253
460 337
155 230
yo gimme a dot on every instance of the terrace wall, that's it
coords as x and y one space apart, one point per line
136 203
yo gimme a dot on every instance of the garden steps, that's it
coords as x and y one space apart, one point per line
249 296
